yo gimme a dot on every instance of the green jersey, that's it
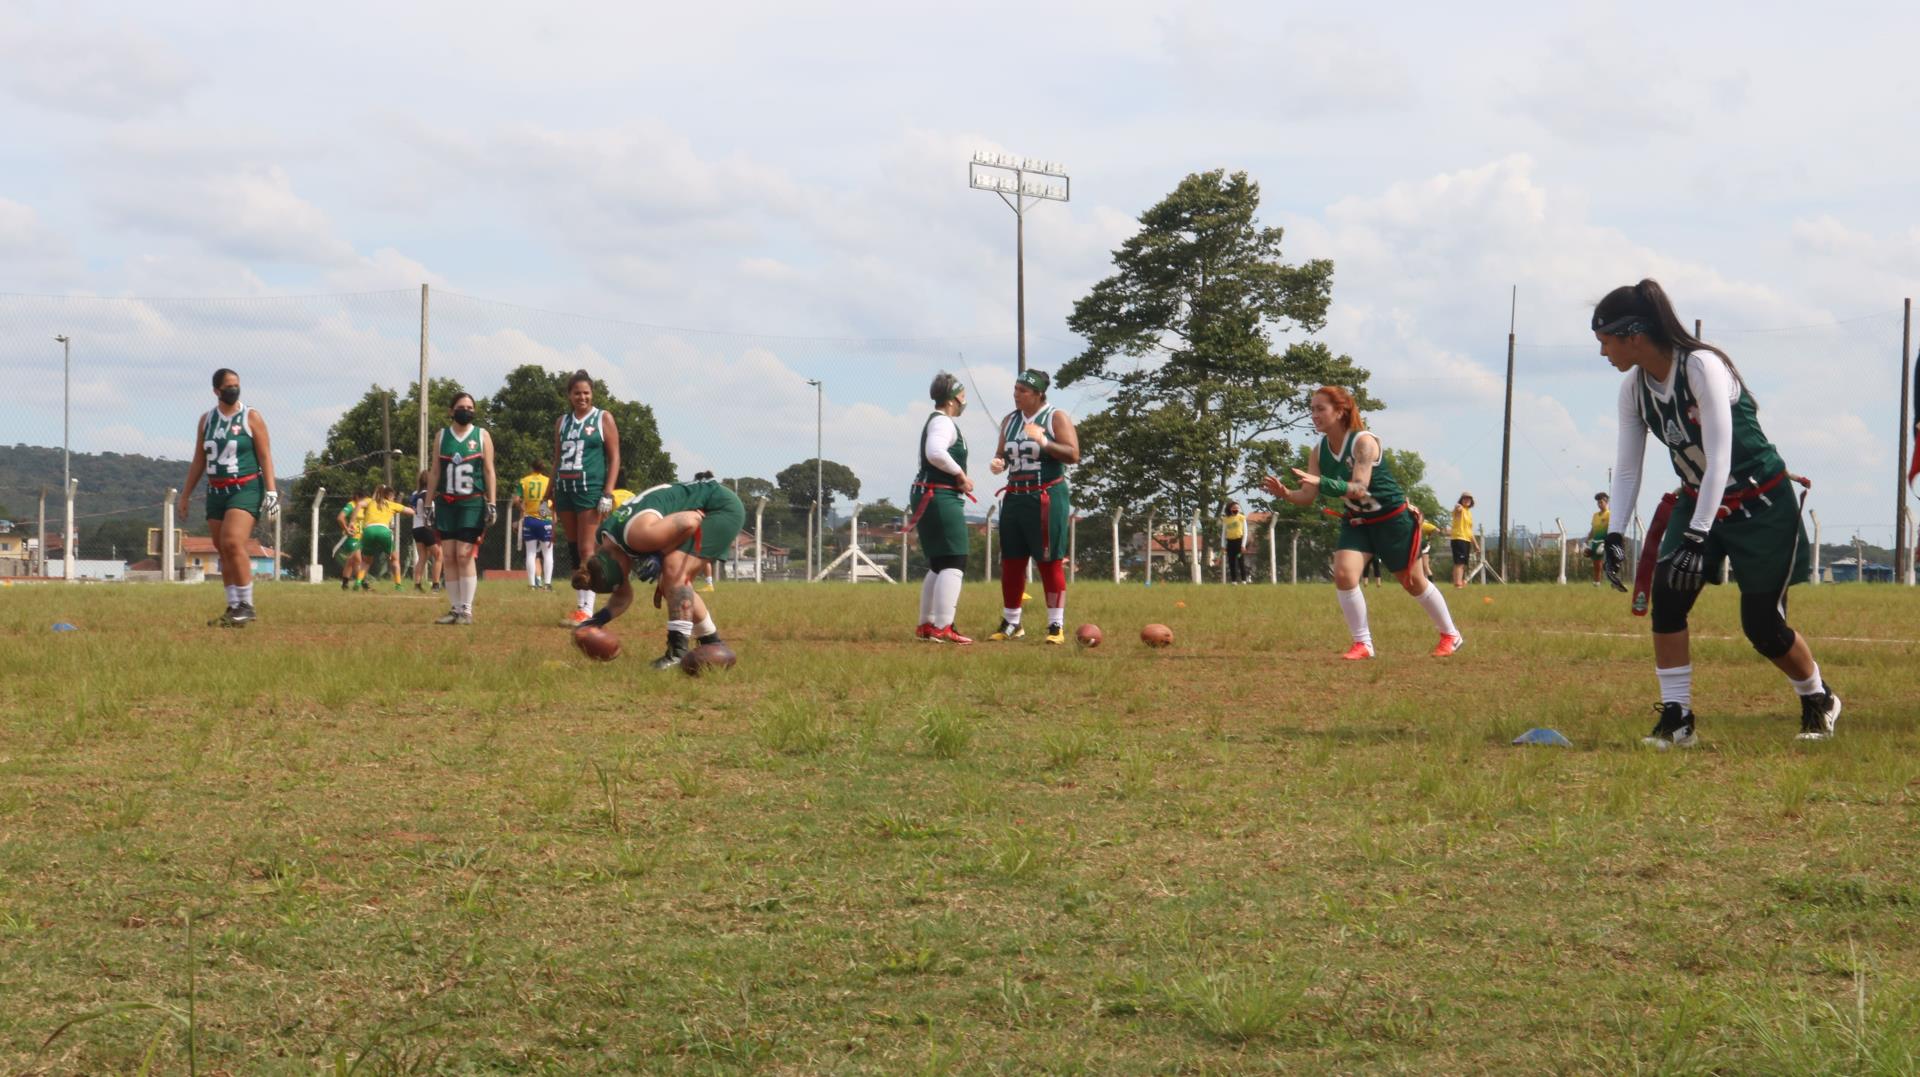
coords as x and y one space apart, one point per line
463 465
1675 420
1027 467
583 453
929 475
1383 490
228 441
707 496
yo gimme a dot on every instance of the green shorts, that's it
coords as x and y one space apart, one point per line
1597 547
350 546
713 540
1024 534
574 495
377 541
1766 544
245 497
943 527
466 516
1394 540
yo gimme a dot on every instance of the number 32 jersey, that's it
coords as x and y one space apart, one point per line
1027 466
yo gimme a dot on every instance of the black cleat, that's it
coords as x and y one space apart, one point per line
676 650
231 618
711 637
343 583
242 614
1673 730
1819 713
1008 631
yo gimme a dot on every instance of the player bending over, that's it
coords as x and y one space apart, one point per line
667 535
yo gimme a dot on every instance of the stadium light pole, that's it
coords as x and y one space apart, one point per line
66 443
1006 174
819 469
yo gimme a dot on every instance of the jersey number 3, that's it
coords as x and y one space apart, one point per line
1023 455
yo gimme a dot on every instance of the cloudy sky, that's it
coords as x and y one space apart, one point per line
712 206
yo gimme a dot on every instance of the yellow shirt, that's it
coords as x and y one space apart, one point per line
1462 528
353 518
370 513
1236 525
1427 527
621 497
533 493
1598 528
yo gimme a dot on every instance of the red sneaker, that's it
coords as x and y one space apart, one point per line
1448 645
1359 652
925 632
948 635
577 618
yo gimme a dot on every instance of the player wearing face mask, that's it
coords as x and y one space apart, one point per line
232 449
461 489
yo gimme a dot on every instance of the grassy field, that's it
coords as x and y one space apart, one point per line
346 839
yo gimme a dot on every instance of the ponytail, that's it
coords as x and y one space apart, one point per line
1643 308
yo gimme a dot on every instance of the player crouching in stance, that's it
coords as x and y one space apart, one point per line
1037 442
463 508
667 534
1375 518
939 513
1689 395
231 447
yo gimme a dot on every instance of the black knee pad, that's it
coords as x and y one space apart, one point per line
1763 619
1670 607
941 564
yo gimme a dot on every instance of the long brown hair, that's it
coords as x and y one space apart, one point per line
1632 309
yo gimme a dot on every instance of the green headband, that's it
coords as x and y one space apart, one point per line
1036 380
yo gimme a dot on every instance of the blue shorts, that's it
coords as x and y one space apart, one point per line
534 529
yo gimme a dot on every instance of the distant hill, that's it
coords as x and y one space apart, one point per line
110 482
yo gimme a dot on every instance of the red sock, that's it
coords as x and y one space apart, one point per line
1013 582
1053 578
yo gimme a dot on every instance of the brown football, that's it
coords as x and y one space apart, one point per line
597 643
1157 636
1088 635
707 656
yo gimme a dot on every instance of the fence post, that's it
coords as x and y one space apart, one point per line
904 517
40 537
1563 550
166 533
1195 544
1815 517
989 565
314 575
759 537
506 537
1150 513
1116 545
1294 571
813 513
1073 546
1273 549
66 544
277 532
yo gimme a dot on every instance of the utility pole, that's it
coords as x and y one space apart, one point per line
819 467
1902 552
987 172
423 378
386 435
1506 436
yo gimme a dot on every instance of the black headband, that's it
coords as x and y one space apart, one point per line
1626 325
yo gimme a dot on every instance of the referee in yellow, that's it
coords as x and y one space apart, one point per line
1460 537
1233 526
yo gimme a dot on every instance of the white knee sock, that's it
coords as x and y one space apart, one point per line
1011 616
1353 606
245 591
1676 685
233 595
584 599
1809 687
946 596
1057 615
546 563
533 564
685 628
705 627
928 587
1435 604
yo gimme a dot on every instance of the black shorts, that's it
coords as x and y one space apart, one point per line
425 536
1462 551
465 534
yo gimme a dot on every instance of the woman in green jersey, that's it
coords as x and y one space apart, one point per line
461 489
1376 519
938 512
231 447
668 534
586 446
1736 504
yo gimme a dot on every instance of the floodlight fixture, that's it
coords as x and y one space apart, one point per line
987 172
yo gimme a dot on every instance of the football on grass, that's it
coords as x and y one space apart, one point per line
1157 636
597 643
1088 635
706 657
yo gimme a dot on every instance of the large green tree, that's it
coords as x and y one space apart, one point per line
799 482
1183 334
523 412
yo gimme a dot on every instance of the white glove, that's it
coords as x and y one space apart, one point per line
606 504
493 513
270 505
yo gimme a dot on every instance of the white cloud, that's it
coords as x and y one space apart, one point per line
250 213
101 72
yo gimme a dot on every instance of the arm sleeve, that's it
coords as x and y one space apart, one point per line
940 435
1628 453
1713 387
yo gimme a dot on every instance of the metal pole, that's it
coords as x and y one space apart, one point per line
1273 549
66 419
759 542
1563 550
1293 568
811 511
1150 513
1859 559
166 533
903 545
1903 553
506 538
66 547
423 382
1020 269
1194 545
1506 436
1815 517
277 517
41 535
1116 545
990 511
314 574
1073 539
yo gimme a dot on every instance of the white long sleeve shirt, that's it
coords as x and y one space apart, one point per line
942 432
1714 390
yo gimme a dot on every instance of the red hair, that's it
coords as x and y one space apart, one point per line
1342 402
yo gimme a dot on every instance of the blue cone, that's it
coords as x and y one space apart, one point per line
1543 736
64 627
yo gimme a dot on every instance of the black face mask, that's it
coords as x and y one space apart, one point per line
230 395
463 416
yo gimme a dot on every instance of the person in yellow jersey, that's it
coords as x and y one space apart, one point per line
1233 526
1597 529
348 548
1460 536
376 515
536 526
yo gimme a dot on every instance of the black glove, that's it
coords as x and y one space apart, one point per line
1685 569
646 568
598 620
1616 559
